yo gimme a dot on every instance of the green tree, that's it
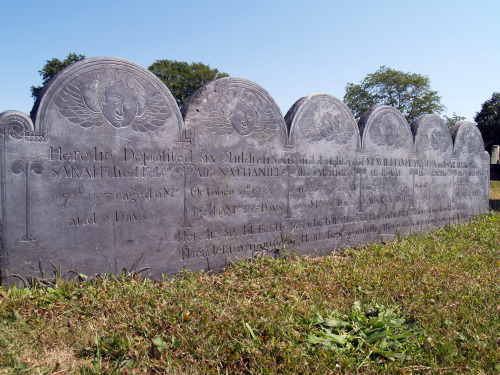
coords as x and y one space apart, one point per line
182 78
51 68
451 121
410 93
488 121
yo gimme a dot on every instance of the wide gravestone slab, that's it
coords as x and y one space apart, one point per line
110 175
93 187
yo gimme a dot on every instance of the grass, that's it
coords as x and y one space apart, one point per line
426 304
495 195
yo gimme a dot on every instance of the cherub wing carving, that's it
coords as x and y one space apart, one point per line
72 106
209 113
331 128
154 117
345 134
437 140
215 123
267 126
388 133
310 130
378 135
473 144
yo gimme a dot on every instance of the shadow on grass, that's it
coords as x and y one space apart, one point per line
495 204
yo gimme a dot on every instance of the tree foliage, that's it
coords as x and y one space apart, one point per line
488 121
182 78
410 93
451 121
51 68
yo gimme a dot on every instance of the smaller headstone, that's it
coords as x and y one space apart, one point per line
323 187
432 173
495 154
471 172
386 194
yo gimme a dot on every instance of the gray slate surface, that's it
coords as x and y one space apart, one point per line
112 176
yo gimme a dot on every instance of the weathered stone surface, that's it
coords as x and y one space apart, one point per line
495 158
432 172
92 187
471 172
324 185
236 183
110 176
386 187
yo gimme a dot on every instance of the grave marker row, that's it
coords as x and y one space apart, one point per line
111 175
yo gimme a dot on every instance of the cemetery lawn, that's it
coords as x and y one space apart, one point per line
426 304
495 195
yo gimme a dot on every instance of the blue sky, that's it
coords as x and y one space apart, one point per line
291 48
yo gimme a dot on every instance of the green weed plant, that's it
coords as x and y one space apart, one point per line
366 331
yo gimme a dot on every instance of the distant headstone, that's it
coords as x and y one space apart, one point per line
495 158
111 176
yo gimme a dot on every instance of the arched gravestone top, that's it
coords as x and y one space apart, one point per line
471 187
432 138
107 176
83 94
322 190
467 140
87 186
232 109
15 124
385 179
384 130
432 172
321 120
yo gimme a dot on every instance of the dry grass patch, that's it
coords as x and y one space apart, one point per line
495 195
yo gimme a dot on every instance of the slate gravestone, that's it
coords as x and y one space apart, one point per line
386 194
495 154
111 176
236 184
92 187
432 179
324 185
471 173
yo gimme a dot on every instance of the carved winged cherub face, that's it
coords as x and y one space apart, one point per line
329 127
437 139
473 144
114 96
120 105
391 133
243 118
